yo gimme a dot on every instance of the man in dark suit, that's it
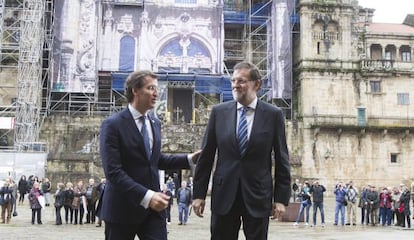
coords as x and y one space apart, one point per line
130 145
243 189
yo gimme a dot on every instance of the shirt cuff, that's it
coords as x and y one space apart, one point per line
147 199
190 160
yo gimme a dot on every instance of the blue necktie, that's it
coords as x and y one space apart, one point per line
242 131
144 132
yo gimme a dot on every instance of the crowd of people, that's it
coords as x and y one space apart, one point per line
387 206
74 200
77 204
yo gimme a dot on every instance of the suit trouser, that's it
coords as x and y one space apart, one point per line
226 227
153 227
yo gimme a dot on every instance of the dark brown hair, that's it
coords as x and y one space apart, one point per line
254 71
136 80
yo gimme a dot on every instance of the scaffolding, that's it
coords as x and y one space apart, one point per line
9 55
247 34
29 77
1 21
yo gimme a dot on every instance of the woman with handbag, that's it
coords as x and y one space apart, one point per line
79 202
405 207
35 199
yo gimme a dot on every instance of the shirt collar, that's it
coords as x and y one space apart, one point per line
252 105
134 112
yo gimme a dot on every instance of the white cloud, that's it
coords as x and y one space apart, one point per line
393 11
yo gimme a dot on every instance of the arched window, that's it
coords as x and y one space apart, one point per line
127 54
184 55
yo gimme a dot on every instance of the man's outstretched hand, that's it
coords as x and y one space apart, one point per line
159 201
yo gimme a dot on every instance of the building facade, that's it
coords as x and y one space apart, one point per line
346 91
352 85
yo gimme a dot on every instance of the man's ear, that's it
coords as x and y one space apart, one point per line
134 91
258 84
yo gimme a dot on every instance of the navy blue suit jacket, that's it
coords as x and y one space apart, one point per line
128 171
253 171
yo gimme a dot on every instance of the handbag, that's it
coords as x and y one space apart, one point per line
41 200
401 208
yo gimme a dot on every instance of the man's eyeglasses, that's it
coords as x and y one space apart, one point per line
240 81
152 88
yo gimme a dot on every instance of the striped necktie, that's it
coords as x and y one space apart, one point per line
144 132
242 131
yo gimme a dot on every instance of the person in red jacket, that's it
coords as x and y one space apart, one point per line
385 207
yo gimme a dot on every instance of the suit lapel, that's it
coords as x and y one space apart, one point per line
228 127
132 128
129 122
258 122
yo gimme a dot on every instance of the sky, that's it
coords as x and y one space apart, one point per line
389 11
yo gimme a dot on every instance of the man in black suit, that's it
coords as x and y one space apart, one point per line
130 145
243 189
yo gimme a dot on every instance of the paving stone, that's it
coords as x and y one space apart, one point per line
197 228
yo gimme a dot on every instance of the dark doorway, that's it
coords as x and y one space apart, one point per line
182 105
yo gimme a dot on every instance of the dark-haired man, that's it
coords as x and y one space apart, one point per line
244 133
130 148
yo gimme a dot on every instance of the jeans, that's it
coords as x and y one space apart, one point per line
319 205
183 213
301 211
339 207
385 215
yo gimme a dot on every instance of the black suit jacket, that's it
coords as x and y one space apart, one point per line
254 170
128 171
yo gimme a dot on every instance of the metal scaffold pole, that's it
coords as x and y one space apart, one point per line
1 23
29 79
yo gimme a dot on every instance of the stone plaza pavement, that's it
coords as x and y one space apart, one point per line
20 228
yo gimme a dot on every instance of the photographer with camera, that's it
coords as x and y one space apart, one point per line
317 191
351 207
340 202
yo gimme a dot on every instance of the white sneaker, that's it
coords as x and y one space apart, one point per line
295 224
323 225
306 224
